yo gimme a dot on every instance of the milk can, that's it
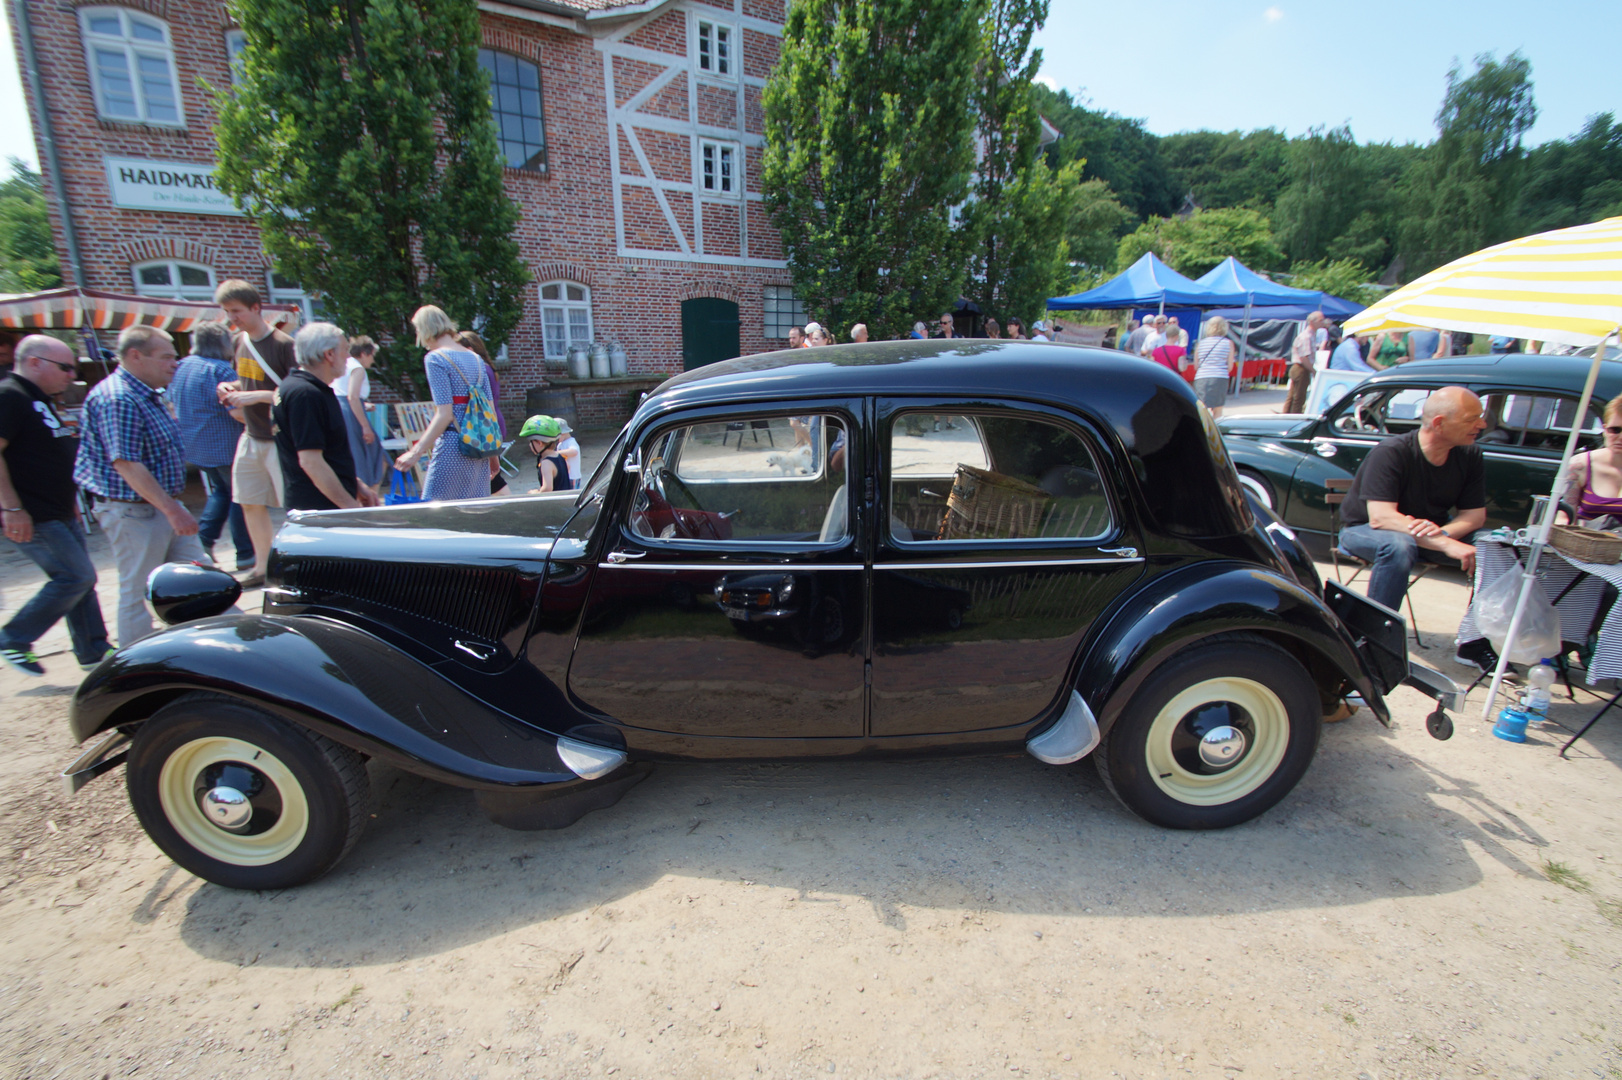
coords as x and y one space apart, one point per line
619 365
579 360
599 361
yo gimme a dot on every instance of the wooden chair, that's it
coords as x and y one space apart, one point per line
1335 489
413 418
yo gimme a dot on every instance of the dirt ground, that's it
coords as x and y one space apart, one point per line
1415 908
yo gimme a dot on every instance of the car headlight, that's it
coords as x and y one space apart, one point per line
785 590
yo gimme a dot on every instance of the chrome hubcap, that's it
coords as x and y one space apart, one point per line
1222 746
227 808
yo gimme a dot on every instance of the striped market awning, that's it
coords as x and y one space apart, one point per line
1563 286
71 309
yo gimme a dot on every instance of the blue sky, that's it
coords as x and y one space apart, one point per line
1180 65
1380 65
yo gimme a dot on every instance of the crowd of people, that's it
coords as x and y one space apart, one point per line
813 334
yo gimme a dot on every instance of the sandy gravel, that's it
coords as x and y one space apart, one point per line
1414 909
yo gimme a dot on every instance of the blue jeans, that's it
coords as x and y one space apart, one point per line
58 548
1392 554
219 508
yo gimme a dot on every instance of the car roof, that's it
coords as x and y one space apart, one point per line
1529 370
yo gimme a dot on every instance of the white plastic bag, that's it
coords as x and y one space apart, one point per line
1539 633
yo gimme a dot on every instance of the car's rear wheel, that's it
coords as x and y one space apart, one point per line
1216 735
1258 487
242 798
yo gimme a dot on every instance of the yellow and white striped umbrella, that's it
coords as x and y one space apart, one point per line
1563 286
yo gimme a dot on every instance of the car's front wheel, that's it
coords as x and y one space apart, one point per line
242 798
1217 735
1257 486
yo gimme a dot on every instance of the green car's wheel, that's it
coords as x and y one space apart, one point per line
1216 735
242 798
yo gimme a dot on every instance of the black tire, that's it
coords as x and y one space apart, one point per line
308 795
1257 485
1151 758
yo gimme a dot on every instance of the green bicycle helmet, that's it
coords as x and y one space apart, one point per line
540 427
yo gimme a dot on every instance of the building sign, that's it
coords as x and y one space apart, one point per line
175 187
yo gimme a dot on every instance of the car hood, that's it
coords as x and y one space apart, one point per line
1265 425
477 532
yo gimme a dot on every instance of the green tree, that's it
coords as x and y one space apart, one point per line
1345 278
1461 196
360 141
27 251
1573 181
1228 169
869 144
1195 244
1019 212
1113 149
1097 222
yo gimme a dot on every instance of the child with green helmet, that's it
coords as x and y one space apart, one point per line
543 433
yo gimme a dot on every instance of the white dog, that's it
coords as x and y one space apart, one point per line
796 462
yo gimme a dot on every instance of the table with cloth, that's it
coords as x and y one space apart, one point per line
1578 586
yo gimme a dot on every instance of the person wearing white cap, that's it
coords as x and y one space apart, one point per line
569 450
1040 326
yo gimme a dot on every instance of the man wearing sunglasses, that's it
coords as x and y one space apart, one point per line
38 509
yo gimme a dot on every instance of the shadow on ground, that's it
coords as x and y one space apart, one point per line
983 834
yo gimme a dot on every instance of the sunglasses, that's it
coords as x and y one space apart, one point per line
1613 430
73 369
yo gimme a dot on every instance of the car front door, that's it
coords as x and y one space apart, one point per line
1340 441
729 599
999 541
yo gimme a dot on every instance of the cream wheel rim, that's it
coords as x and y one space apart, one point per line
1266 737
178 794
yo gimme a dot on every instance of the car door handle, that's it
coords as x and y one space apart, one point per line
1324 448
1122 552
624 556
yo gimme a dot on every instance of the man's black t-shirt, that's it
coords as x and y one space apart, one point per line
1397 471
40 450
307 416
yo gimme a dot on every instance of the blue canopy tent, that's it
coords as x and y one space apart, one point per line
1266 299
1148 283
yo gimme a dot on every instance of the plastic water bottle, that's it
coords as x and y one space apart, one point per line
1539 682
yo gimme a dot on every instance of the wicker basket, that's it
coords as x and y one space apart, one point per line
1586 545
990 506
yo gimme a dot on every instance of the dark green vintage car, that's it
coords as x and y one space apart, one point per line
1530 403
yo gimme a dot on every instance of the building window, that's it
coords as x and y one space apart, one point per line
783 310
235 43
565 317
714 48
132 67
515 106
285 290
717 168
171 279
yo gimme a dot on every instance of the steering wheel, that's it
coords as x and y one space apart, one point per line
1370 416
669 487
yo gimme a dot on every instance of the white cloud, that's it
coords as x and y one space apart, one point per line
1273 14
1048 81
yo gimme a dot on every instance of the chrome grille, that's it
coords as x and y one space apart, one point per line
476 602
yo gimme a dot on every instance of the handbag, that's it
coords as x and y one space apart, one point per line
480 430
402 489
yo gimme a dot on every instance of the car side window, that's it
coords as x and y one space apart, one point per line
1383 411
1536 421
990 476
766 478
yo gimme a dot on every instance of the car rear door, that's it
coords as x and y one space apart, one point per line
1000 539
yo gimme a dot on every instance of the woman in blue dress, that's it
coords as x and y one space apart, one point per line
452 370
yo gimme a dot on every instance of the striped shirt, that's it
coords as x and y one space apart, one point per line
206 428
125 420
1212 357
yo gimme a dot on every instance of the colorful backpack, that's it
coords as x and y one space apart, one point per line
481 431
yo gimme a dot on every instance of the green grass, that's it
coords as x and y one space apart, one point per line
1562 874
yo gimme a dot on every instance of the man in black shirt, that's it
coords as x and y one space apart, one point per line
38 509
312 442
1423 491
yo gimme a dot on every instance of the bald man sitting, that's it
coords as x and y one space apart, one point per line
1425 491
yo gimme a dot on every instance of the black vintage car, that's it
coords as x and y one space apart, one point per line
977 547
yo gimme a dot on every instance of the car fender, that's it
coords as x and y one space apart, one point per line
1181 608
333 678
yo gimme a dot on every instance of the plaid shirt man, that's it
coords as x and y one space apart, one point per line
209 433
125 420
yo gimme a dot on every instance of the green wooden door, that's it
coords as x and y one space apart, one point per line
709 331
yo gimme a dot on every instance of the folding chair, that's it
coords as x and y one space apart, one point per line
414 418
1335 489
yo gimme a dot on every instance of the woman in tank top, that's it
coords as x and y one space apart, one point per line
1595 487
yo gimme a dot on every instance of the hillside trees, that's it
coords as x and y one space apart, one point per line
369 163
27 252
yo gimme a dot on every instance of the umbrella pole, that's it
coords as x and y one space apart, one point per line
1542 538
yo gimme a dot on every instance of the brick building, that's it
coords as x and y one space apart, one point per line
632 133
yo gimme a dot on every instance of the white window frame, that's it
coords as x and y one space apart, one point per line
563 307
715 49
133 51
293 294
175 290
725 172
235 42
